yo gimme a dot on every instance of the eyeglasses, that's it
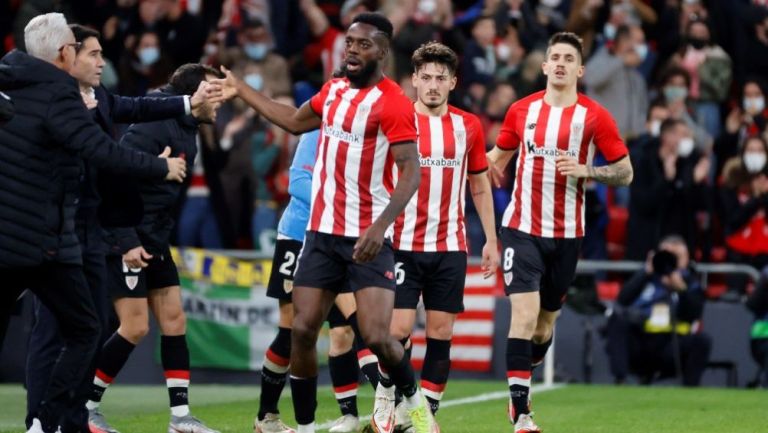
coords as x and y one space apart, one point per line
76 45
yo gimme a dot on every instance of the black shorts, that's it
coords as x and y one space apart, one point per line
437 277
531 263
124 282
280 284
326 263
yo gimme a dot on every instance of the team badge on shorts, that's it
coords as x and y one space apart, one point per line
131 276
508 277
288 286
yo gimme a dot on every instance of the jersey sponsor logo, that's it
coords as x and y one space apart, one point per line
342 135
535 150
439 162
531 126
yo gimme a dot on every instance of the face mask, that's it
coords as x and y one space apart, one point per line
503 51
675 93
551 3
698 43
149 55
427 7
685 147
754 104
609 31
256 51
655 128
254 80
211 49
642 51
754 162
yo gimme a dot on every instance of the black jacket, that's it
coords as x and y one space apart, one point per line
6 108
158 198
41 162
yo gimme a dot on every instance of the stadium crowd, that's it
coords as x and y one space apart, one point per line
702 175
686 92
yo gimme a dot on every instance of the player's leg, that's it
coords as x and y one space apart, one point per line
319 273
523 267
127 288
542 335
373 284
342 363
443 299
366 360
274 370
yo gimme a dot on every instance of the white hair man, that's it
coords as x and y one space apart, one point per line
40 165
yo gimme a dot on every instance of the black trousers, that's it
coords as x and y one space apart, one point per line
63 289
653 355
46 342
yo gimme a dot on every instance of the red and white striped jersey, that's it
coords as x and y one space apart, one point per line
545 203
352 177
450 146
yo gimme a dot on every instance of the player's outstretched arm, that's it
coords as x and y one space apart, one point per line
497 162
406 157
618 173
292 119
480 187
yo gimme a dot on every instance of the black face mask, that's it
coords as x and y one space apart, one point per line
697 42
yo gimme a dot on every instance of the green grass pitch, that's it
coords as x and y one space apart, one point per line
568 409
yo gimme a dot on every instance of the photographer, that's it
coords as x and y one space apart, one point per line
666 295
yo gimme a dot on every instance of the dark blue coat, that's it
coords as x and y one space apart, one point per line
41 150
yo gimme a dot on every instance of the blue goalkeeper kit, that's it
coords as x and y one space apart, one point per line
293 223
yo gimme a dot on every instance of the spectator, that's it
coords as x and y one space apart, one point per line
758 304
668 189
754 52
520 15
675 83
613 80
144 67
709 68
654 329
262 68
479 61
657 114
749 117
744 200
182 34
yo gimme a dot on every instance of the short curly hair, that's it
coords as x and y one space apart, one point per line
435 52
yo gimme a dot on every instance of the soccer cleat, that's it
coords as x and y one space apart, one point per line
525 424
402 420
271 424
422 419
511 409
188 424
98 424
36 427
346 424
383 418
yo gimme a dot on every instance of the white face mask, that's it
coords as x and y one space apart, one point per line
685 147
642 51
754 104
503 51
427 7
655 127
754 162
609 31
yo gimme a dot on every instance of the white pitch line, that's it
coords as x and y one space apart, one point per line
488 396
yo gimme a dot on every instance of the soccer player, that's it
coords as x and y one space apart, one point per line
141 273
430 242
556 132
342 360
367 123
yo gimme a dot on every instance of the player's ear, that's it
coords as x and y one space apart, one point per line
580 71
453 82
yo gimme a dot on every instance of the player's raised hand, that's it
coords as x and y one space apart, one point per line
569 166
230 84
177 167
137 258
208 94
369 244
490 261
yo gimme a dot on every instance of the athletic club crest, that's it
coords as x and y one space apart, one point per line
288 286
131 281
577 128
508 277
460 136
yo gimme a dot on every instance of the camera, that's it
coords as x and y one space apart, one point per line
664 263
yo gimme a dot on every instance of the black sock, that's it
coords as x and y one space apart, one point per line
403 377
518 374
539 351
174 355
304 392
274 372
344 375
434 374
114 354
368 362
408 348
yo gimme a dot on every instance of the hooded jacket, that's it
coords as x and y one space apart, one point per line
41 162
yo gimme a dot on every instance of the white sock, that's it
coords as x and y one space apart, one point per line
306 428
182 410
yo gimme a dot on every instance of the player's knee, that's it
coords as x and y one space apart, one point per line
440 331
399 330
377 341
341 340
542 334
174 323
134 332
303 334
